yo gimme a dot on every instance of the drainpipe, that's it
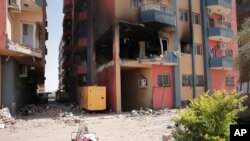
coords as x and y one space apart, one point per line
204 23
193 49
176 71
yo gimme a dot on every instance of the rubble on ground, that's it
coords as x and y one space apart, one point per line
5 118
58 112
147 111
69 118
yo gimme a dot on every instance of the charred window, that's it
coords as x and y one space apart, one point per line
185 47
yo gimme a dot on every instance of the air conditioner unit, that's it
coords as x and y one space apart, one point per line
222 46
142 83
15 5
23 71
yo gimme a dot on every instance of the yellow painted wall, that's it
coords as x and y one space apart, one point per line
28 17
185 68
197 34
134 97
124 12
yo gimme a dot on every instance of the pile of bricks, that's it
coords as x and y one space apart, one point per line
5 117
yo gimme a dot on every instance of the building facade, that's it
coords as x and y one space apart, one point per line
149 53
22 49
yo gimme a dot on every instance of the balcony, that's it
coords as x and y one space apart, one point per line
221 7
220 31
36 52
223 63
169 58
157 15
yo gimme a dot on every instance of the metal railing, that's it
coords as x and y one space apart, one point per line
221 53
221 24
158 7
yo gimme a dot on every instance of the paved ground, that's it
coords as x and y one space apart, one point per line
47 125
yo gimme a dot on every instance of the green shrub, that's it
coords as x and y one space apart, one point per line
208 118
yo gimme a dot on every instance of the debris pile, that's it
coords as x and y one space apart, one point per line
147 111
50 110
69 118
5 118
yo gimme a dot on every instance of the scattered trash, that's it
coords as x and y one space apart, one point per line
5 118
69 118
83 134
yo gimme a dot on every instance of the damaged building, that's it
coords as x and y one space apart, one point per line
22 51
148 53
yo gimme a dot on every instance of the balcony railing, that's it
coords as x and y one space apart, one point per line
158 7
223 3
221 63
36 52
168 58
221 31
221 24
158 14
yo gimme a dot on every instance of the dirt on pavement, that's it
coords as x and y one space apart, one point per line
55 122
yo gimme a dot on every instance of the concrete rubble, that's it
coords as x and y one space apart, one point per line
5 118
148 111
59 112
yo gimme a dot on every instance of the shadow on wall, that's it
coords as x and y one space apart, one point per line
16 91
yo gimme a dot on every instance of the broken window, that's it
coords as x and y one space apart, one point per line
163 80
185 47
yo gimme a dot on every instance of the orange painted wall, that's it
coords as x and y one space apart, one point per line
167 93
2 23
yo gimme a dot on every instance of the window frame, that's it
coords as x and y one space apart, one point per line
229 81
198 78
196 49
168 80
183 15
196 16
34 32
135 4
188 82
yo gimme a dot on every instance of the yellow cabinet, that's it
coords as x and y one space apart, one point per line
93 98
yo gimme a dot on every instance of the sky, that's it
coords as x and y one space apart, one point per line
54 17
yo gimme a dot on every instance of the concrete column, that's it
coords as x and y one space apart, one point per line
142 49
116 50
